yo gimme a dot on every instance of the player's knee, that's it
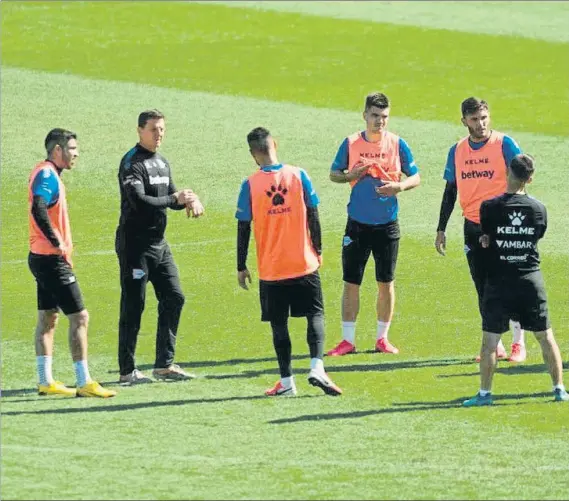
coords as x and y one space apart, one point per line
545 336
81 318
48 319
490 342
179 299
351 289
387 286
175 300
315 327
280 332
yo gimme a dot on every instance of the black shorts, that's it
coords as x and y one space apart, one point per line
297 297
521 299
362 239
57 286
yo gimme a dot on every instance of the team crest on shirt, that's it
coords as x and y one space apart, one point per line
277 195
516 218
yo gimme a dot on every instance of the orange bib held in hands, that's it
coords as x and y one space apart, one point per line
383 156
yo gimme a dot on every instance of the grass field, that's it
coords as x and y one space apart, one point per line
301 69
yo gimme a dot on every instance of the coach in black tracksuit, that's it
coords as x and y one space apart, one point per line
147 191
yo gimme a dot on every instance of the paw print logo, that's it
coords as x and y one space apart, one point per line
516 218
277 194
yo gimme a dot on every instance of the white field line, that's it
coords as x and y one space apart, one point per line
108 252
409 228
181 245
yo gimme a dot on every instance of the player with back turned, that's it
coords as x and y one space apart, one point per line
281 204
512 224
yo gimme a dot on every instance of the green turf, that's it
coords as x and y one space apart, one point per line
218 168
493 18
403 433
324 62
399 431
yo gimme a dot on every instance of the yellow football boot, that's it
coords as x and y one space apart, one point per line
94 389
56 388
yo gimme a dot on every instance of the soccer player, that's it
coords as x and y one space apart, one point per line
282 204
372 161
512 224
147 190
476 171
50 263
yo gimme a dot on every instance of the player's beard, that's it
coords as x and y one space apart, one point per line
476 134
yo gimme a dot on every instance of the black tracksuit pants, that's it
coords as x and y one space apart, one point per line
477 258
140 263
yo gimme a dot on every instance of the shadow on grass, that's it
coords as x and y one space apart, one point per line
379 367
409 407
138 405
26 392
217 363
241 361
22 392
497 398
509 370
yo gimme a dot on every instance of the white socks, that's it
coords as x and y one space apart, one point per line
45 376
317 364
382 329
44 364
483 393
82 373
349 332
518 333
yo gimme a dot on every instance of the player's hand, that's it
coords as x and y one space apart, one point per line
65 251
185 197
359 170
484 241
62 249
242 277
195 209
389 189
441 243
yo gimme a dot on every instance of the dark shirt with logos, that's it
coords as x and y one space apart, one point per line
515 223
147 190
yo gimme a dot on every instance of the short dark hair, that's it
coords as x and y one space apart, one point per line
149 115
522 167
472 105
377 99
258 140
58 137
